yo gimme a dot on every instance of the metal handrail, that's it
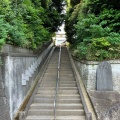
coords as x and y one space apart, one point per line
57 83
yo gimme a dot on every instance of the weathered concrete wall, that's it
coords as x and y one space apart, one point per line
4 107
113 113
20 68
87 71
106 104
10 49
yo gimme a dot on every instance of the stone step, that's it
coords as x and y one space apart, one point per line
60 82
48 82
53 70
52 67
40 117
62 96
67 85
66 72
46 88
53 62
69 112
59 100
68 88
59 106
65 62
68 96
46 92
70 118
57 118
68 101
42 106
65 65
55 78
50 73
49 77
58 112
59 92
45 96
47 85
68 92
60 88
67 82
69 106
42 100
65 69
41 112
67 77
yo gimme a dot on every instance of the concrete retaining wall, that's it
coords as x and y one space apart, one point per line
4 107
20 68
87 71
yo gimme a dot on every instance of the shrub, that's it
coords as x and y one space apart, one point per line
96 42
29 23
99 49
94 33
4 28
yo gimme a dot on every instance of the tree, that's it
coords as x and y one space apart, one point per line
71 19
93 29
29 23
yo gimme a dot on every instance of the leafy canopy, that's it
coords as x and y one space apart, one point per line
93 29
29 23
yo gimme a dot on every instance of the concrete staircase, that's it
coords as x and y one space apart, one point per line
69 105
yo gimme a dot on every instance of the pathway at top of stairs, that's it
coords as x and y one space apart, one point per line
69 105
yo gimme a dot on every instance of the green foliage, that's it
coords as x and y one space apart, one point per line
74 2
16 34
96 6
110 18
96 42
95 30
102 48
4 28
71 19
89 27
29 23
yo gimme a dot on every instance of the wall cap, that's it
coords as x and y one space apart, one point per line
117 61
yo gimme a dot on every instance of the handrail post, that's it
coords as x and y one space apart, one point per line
57 83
